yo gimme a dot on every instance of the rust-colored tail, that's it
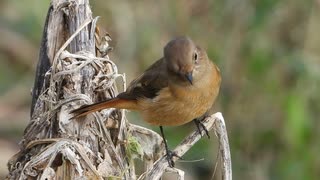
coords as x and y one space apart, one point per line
111 103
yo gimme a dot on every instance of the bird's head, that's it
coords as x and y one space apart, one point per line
184 59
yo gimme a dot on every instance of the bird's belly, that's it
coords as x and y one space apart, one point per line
167 110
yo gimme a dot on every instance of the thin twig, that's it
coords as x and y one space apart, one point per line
214 122
221 132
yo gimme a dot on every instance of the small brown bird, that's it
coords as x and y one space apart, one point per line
180 87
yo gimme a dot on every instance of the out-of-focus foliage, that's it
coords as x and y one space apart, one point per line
268 52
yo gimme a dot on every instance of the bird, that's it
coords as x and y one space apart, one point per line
180 87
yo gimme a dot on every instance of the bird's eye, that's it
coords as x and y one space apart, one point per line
195 57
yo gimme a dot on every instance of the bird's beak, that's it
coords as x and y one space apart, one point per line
189 77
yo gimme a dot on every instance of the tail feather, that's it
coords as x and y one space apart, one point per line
111 103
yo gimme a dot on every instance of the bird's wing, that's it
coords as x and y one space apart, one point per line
149 83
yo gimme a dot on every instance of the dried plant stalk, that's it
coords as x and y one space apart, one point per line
69 75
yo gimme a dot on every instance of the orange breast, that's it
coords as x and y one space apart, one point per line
177 105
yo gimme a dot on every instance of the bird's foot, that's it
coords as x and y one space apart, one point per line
198 124
170 154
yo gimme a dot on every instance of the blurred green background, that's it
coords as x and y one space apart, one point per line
268 52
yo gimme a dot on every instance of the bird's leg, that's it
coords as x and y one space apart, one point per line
169 154
198 122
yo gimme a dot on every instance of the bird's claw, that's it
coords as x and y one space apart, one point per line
170 154
198 124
